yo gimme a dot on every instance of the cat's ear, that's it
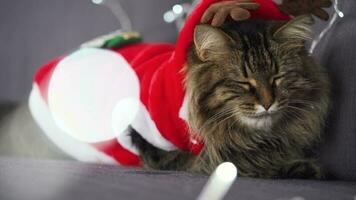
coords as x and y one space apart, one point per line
298 29
211 43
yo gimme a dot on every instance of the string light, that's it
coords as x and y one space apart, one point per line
177 9
179 13
97 1
219 182
169 17
338 14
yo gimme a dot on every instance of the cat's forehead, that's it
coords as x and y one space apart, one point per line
255 55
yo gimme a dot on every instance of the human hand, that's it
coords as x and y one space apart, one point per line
236 9
301 7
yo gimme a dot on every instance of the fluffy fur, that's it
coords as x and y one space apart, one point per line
255 97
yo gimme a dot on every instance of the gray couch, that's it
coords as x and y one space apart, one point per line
55 180
38 179
337 53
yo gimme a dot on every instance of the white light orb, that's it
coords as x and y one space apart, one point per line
219 182
169 17
226 172
97 1
177 9
93 95
341 14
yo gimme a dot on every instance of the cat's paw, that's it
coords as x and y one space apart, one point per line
302 169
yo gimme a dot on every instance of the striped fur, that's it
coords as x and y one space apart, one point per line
234 75
266 68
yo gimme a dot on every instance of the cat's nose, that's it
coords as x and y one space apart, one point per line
267 105
266 98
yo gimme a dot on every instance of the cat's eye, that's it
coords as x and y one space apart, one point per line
276 80
245 85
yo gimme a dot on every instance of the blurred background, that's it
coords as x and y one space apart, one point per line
33 32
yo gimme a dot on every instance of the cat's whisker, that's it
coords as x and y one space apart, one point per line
299 109
294 114
216 117
303 103
301 100
307 87
221 114
220 122
232 113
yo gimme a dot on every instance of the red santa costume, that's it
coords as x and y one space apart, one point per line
86 101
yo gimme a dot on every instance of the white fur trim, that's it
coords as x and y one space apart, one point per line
78 150
147 128
183 112
125 111
125 140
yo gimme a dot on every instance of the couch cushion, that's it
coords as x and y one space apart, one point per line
20 179
337 52
6 108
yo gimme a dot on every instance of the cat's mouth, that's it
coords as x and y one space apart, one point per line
259 120
263 114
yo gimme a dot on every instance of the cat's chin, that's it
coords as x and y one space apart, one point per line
257 122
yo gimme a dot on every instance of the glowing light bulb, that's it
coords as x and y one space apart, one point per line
226 172
169 17
219 182
341 14
97 1
177 9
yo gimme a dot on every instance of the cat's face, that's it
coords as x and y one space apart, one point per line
256 76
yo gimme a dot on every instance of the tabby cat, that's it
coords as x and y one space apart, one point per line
256 98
